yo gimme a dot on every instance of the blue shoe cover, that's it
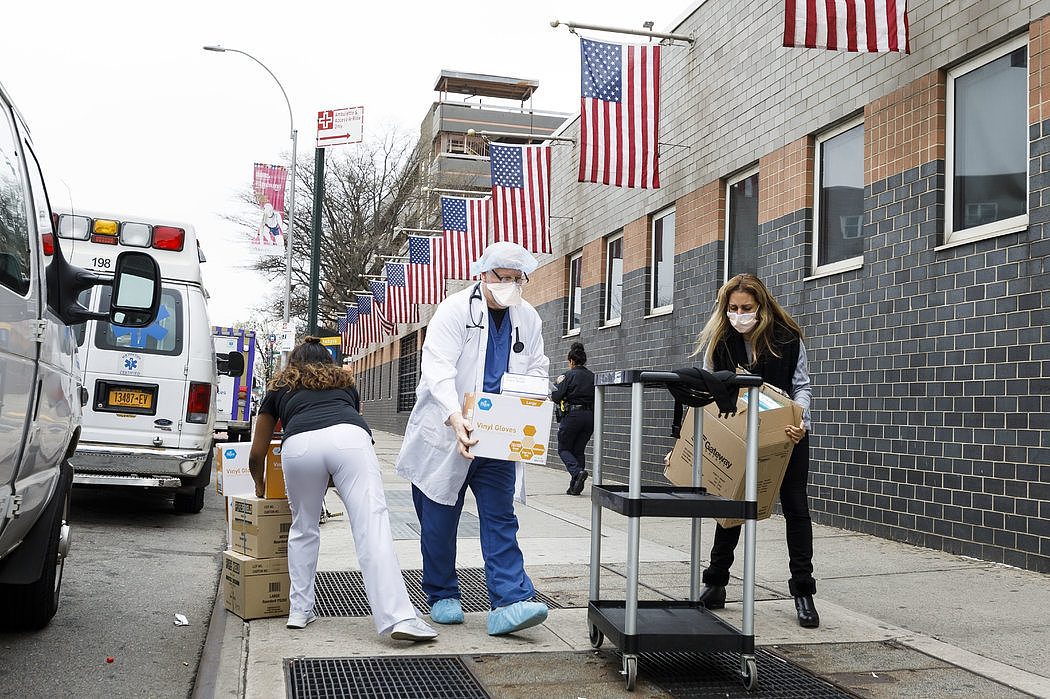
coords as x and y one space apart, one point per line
515 617
447 611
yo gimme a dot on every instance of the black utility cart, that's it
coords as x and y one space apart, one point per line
664 626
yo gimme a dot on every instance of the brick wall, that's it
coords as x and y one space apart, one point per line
930 363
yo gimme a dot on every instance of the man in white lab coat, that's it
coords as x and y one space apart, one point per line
475 337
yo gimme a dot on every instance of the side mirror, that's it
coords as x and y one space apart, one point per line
136 293
136 290
231 364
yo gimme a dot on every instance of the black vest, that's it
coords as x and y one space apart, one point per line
779 371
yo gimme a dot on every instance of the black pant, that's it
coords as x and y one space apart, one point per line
574 431
793 501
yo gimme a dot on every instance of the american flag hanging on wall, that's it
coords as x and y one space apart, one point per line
426 269
382 315
521 178
619 113
847 25
465 223
399 307
353 331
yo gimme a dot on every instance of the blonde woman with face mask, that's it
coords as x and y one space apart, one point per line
749 329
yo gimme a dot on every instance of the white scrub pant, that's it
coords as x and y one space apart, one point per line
345 453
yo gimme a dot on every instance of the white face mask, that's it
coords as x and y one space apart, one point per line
506 294
742 322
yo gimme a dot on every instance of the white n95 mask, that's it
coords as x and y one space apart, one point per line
742 322
505 294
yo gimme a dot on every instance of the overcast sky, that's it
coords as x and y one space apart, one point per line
130 115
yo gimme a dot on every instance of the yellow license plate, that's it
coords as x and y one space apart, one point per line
128 398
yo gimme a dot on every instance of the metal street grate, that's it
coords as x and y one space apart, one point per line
342 592
690 675
432 677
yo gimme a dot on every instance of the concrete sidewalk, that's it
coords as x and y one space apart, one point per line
896 620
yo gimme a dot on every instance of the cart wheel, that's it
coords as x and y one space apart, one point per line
749 673
630 669
597 637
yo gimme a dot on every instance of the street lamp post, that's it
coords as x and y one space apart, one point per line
291 194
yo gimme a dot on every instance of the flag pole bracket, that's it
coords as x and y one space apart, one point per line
491 135
573 26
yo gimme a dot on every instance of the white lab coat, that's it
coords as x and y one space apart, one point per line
453 364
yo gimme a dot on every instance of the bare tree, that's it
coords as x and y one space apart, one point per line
367 190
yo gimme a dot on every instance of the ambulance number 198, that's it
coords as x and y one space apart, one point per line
101 262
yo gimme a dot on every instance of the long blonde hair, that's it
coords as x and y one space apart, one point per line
769 315
310 366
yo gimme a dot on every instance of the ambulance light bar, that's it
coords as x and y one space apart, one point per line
110 232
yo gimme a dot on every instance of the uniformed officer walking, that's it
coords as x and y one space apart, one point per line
574 396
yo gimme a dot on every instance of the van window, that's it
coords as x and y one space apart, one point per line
15 268
164 336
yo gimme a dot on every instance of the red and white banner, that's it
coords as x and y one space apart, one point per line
268 183
847 25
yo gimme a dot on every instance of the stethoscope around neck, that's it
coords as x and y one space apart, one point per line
476 324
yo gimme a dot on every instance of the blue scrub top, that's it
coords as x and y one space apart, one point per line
497 355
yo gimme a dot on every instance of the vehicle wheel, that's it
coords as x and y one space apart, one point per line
597 637
190 503
31 606
749 673
630 669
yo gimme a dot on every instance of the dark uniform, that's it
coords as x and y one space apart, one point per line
574 393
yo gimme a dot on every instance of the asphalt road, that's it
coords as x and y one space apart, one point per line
134 563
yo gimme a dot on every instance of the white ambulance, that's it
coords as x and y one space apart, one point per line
151 391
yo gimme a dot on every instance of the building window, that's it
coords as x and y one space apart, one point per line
839 198
613 278
987 178
742 225
661 266
407 374
572 315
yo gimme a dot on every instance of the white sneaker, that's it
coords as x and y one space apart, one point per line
299 620
413 630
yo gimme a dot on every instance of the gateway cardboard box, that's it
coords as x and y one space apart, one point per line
255 588
510 427
725 450
260 526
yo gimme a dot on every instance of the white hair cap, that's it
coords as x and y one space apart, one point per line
504 255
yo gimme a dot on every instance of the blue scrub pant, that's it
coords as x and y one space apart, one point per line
492 483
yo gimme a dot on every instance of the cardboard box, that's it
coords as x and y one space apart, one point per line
725 450
274 476
232 476
260 527
253 588
513 428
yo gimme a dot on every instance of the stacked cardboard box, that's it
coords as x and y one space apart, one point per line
725 450
255 567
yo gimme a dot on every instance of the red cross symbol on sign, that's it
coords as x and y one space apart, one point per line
325 120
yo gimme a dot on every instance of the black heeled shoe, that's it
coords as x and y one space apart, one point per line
713 597
807 612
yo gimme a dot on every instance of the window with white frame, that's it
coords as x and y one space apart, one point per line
572 319
839 198
661 264
613 278
987 165
742 225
